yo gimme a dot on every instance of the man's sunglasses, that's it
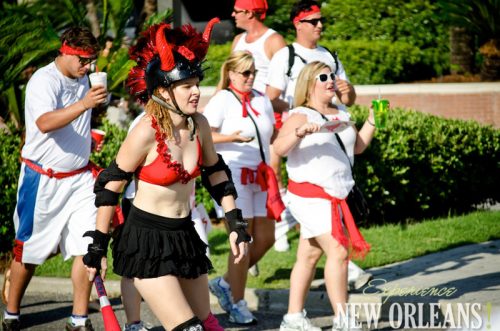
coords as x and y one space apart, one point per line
314 21
326 77
248 72
86 60
236 11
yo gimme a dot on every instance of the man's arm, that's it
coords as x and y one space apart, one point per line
274 43
59 118
279 105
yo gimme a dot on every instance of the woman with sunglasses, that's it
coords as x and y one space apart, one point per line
320 179
231 113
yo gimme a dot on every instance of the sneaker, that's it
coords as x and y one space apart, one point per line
359 282
351 324
281 244
87 327
10 324
136 327
299 323
223 294
240 314
254 270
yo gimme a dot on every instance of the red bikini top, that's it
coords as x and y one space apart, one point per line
163 171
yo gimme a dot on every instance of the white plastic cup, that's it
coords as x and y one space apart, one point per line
99 78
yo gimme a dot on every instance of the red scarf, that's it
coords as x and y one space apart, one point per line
355 240
245 98
71 50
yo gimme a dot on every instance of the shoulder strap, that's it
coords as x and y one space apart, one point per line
335 58
262 155
343 148
291 59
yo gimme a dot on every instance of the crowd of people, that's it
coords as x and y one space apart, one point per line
272 101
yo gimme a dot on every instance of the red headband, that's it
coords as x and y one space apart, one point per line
259 6
303 14
69 50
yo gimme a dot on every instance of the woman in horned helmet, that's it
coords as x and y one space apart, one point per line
158 246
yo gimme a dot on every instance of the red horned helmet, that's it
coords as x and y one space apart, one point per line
165 55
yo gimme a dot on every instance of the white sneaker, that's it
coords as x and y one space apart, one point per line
136 327
360 281
254 270
281 244
297 322
240 314
343 324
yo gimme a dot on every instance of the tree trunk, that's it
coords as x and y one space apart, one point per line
490 69
461 51
92 17
150 7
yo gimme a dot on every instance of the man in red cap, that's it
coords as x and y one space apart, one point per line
258 39
55 204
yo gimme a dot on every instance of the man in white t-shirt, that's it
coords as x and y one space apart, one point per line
281 80
258 39
55 199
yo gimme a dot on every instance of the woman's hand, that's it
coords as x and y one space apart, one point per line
93 271
307 128
237 138
240 250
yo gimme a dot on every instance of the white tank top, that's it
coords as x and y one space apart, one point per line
319 159
260 57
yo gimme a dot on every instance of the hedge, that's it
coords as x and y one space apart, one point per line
420 166
366 62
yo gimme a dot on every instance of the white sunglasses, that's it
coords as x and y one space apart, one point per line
325 77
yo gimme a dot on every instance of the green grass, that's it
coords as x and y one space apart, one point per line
390 243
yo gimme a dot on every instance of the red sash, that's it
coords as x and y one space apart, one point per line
118 217
355 241
266 178
51 173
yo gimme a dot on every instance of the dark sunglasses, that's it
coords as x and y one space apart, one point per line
314 21
248 72
326 77
236 11
86 60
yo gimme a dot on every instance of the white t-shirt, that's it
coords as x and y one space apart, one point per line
319 159
277 76
224 112
64 149
257 48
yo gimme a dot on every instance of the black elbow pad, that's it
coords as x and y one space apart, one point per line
222 189
103 196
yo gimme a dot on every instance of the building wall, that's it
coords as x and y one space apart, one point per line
468 101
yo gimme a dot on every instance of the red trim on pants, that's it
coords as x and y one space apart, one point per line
356 241
51 173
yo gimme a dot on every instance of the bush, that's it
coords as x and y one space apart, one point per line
10 146
420 166
216 55
424 166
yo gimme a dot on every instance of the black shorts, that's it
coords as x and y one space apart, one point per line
150 246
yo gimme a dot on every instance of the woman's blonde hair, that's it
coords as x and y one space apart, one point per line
306 81
161 114
238 61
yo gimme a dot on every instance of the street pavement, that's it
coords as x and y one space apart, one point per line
463 281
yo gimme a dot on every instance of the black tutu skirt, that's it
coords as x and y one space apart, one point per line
150 246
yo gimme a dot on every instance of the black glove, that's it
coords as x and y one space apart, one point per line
97 250
237 224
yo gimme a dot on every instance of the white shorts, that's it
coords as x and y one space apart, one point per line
53 212
313 214
251 199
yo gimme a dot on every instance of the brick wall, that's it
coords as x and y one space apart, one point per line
468 101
